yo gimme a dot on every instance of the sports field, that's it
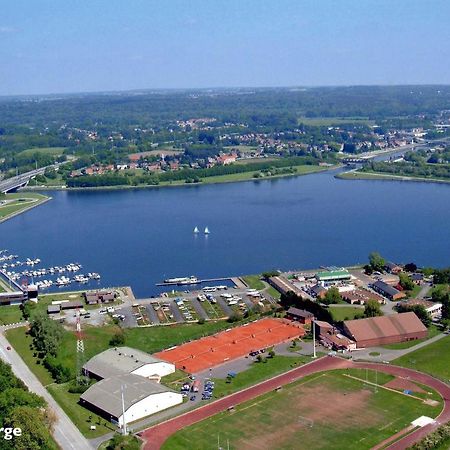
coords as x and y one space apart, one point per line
325 410
230 344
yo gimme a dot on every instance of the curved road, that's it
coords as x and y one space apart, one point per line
156 435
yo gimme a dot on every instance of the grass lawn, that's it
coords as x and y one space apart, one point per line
158 338
77 413
257 372
432 331
254 282
328 410
19 202
340 313
10 314
56 151
245 176
433 359
414 292
273 292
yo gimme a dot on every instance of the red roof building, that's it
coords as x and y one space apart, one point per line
383 330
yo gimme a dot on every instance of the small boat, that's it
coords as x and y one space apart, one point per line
196 230
206 230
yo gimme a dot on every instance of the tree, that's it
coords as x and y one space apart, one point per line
376 261
332 296
372 309
406 282
419 310
35 431
27 309
14 397
47 334
235 317
442 295
117 340
368 269
410 267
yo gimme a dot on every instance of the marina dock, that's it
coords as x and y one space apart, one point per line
208 280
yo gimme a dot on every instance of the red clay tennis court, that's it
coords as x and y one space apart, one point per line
214 350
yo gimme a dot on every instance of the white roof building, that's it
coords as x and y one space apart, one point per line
141 398
126 360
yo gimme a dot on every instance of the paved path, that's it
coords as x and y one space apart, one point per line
424 291
199 309
156 436
65 432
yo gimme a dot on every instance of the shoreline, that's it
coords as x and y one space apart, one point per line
34 205
386 177
181 184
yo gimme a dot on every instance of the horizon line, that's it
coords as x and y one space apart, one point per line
209 88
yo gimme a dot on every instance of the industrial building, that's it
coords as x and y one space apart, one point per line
122 360
93 298
331 338
432 308
388 291
299 315
383 330
141 397
131 374
361 296
330 277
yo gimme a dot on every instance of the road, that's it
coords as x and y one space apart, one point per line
65 432
157 435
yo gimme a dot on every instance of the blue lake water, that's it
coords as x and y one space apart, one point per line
140 237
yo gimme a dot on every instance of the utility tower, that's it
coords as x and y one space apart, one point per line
81 379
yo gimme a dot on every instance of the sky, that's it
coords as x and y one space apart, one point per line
65 46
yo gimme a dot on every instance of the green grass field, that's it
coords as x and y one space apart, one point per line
433 359
10 314
256 373
246 176
19 202
328 410
80 416
254 282
345 312
55 151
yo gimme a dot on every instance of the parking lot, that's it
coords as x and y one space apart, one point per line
209 303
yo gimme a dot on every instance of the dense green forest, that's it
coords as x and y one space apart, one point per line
261 106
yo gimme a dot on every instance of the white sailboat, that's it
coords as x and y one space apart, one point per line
196 230
206 230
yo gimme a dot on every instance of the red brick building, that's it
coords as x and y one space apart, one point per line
383 330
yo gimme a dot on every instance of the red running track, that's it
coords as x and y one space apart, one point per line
156 435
